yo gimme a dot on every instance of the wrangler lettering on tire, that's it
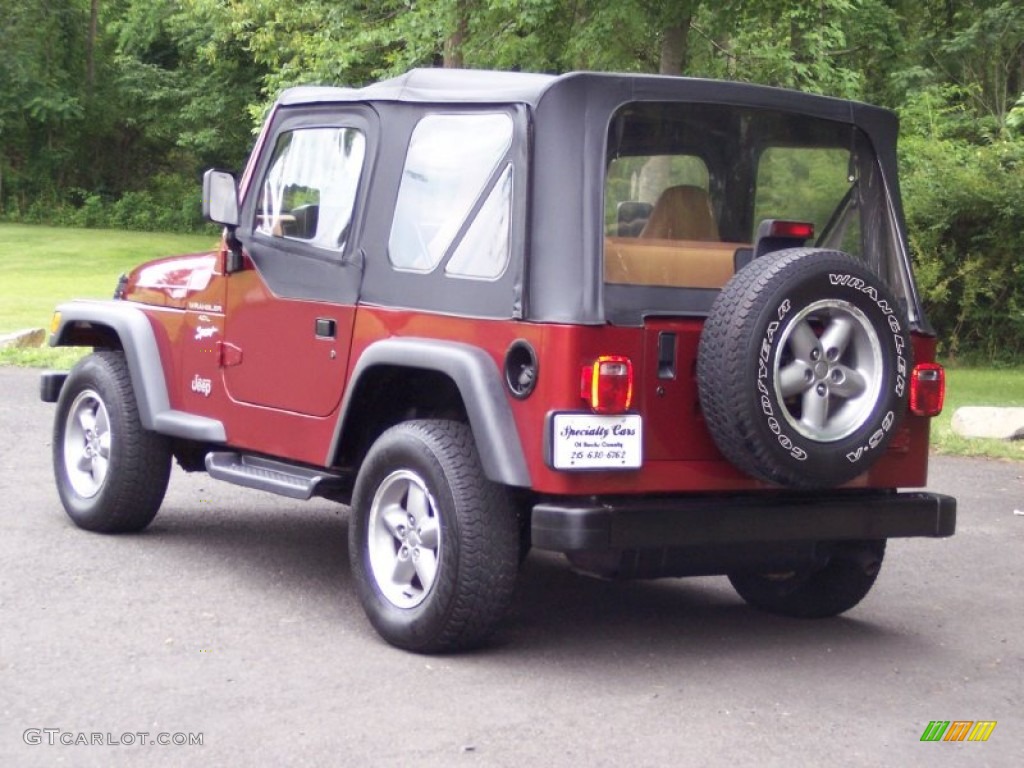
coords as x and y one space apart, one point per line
802 368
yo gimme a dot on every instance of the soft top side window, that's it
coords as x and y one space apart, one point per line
309 190
455 196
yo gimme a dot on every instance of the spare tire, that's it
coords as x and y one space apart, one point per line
803 366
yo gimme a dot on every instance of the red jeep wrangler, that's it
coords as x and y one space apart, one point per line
665 326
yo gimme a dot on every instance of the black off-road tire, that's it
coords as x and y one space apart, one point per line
434 545
111 472
802 368
816 594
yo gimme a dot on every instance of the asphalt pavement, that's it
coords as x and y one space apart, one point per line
232 620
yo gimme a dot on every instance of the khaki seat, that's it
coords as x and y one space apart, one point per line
669 263
682 212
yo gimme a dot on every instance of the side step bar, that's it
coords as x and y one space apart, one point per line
278 477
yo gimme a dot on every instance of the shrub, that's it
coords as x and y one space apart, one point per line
964 204
170 203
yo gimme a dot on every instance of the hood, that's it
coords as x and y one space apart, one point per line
171 281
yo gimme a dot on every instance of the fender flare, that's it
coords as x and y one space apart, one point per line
478 380
145 366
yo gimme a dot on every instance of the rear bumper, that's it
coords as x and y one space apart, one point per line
643 523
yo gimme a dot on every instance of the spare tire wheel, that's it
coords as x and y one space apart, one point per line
802 368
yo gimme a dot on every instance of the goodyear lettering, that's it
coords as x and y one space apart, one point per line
762 374
768 409
877 438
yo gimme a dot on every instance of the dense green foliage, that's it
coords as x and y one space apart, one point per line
110 109
965 208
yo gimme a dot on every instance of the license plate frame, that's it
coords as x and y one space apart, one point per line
590 441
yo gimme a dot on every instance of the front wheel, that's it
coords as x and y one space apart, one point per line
433 543
111 473
816 593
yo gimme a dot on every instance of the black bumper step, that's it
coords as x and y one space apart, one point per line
50 385
576 525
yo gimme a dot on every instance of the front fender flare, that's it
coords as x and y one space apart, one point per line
138 341
479 383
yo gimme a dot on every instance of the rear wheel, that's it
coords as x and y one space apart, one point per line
816 593
111 472
434 544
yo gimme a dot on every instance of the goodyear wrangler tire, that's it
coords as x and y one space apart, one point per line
802 368
433 544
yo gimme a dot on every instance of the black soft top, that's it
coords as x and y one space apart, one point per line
436 86
570 118
470 86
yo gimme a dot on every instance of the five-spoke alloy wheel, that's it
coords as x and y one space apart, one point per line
802 368
829 370
87 444
404 539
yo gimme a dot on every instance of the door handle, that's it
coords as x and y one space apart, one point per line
326 328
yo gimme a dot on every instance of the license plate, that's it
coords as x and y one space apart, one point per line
589 441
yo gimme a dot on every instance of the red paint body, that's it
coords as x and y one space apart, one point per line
278 389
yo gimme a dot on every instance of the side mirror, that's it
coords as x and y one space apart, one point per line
220 198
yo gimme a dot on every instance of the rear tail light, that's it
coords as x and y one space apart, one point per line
927 389
776 234
607 384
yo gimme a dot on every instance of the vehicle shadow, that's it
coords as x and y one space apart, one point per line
556 606
282 549
276 547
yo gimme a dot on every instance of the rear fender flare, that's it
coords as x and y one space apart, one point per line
478 380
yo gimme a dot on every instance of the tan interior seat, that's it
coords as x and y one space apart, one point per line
669 263
682 212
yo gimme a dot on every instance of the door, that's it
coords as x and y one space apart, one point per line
291 309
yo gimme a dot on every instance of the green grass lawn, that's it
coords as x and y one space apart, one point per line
978 386
43 266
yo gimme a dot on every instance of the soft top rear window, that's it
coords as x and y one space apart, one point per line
687 186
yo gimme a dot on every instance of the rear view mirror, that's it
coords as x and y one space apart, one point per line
220 198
